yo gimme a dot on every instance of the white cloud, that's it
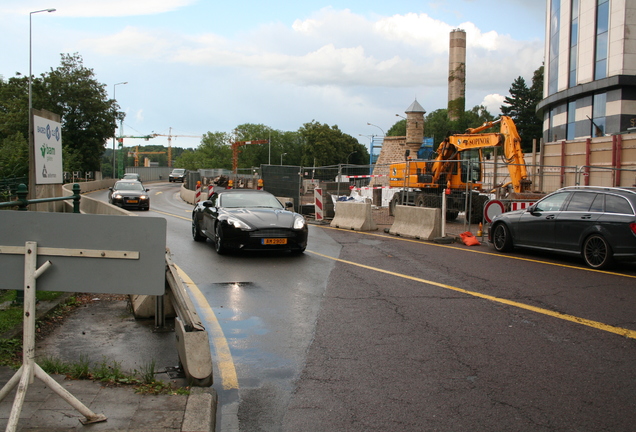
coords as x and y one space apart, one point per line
493 103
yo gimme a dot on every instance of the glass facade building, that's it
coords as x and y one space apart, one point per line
590 69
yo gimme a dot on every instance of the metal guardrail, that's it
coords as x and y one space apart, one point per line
22 202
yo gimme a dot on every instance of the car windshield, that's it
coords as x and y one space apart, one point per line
249 200
178 171
131 176
129 186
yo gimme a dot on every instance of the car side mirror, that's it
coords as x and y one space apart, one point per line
289 204
207 203
110 189
532 208
147 190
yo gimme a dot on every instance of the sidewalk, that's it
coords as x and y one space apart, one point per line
107 330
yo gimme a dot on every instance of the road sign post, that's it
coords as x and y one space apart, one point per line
49 245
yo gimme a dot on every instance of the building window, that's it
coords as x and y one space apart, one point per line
598 114
574 43
570 131
551 130
553 71
602 39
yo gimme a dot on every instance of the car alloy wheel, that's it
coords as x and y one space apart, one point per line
218 240
597 253
501 239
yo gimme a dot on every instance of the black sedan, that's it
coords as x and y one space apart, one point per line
596 223
247 219
129 194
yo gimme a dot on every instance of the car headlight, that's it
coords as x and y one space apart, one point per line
118 196
299 222
237 223
143 197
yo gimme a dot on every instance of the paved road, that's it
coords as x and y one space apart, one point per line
372 332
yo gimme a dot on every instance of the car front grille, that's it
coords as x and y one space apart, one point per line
270 232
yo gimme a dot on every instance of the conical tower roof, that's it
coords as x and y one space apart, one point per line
415 108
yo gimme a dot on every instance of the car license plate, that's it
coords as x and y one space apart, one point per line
274 241
132 201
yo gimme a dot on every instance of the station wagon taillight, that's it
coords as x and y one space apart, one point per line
633 227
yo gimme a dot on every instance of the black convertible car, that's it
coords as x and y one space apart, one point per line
247 219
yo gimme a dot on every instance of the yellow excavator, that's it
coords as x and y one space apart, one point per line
457 166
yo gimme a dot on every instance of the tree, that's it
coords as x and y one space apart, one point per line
88 116
14 156
71 90
521 106
398 129
327 145
213 152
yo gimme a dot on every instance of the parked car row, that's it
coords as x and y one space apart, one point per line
596 223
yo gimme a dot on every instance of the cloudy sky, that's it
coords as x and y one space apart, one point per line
194 66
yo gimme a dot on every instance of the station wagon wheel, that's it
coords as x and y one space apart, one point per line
597 253
501 238
218 240
196 233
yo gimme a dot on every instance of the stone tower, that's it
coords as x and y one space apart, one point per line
393 147
414 127
457 74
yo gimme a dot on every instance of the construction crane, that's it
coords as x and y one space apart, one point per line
137 153
170 142
235 150
121 144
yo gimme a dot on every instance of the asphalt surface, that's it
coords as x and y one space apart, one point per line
102 332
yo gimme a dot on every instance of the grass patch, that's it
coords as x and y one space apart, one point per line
109 372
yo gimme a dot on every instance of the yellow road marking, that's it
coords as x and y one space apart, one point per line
482 252
174 215
595 324
224 361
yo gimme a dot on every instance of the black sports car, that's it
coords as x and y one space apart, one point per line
129 194
596 223
247 219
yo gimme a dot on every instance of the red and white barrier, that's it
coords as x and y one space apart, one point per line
318 204
366 176
520 205
197 195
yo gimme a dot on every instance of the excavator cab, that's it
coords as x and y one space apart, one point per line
470 164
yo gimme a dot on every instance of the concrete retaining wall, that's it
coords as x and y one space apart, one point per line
354 216
89 205
417 222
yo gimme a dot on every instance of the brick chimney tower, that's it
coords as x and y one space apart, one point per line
456 74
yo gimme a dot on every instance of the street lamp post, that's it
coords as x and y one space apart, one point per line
114 132
350 155
281 158
371 124
30 133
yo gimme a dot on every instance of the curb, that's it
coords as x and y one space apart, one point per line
200 413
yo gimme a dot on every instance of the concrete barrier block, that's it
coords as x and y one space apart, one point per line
353 215
194 354
417 222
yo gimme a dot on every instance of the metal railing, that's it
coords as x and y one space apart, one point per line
22 202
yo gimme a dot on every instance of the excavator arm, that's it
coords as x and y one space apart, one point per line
508 139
